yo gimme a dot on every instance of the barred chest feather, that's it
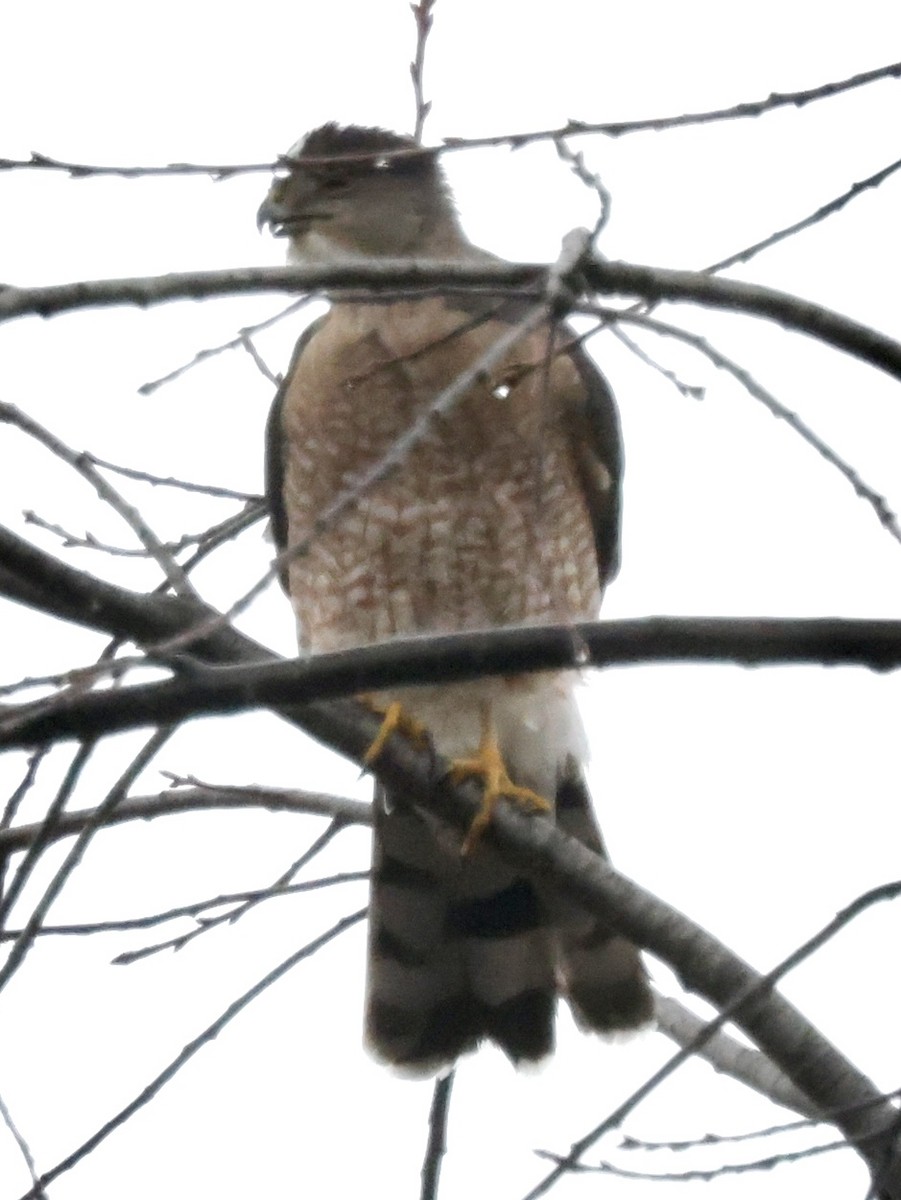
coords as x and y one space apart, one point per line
482 525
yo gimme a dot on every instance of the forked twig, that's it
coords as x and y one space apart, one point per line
208 1035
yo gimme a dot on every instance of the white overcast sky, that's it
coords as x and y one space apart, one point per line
758 802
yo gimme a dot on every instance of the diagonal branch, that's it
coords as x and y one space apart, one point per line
104 489
25 940
825 210
728 1056
187 1053
813 1064
887 519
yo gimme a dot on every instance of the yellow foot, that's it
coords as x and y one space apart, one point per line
395 720
488 765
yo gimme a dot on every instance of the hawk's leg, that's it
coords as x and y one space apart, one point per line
395 719
488 765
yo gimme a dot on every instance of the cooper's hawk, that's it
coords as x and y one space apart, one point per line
506 512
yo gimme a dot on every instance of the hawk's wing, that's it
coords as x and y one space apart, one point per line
597 447
275 453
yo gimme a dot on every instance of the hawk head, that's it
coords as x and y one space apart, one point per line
351 193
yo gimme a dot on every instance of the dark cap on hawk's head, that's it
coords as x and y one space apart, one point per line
351 192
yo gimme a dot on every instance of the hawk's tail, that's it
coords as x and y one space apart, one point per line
463 948
600 971
459 949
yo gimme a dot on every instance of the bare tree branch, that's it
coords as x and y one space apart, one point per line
705 965
205 924
24 1149
422 15
235 343
753 108
729 1057
194 799
25 940
824 211
716 1139
436 1146
886 517
213 533
44 834
706 1176
592 180
129 924
744 641
422 278
12 807
206 489
882 1158
148 539
209 1034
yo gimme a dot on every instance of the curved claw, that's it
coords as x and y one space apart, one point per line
488 765
395 720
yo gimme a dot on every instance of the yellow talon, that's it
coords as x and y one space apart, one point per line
488 765
395 720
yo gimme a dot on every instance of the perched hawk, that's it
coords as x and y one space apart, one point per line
505 513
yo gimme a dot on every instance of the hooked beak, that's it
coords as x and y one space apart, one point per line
282 222
271 216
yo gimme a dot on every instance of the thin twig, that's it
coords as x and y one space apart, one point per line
46 162
115 668
753 108
393 458
130 924
25 940
24 1149
422 15
235 343
705 1176
12 415
591 179
208 1035
884 514
172 803
574 128
12 806
824 211
44 832
259 362
629 1142
207 489
89 542
436 1145
79 677
205 924
689 391
763 985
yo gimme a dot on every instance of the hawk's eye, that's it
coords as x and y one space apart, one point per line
334 183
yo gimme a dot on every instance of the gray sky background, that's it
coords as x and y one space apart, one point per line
759 802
